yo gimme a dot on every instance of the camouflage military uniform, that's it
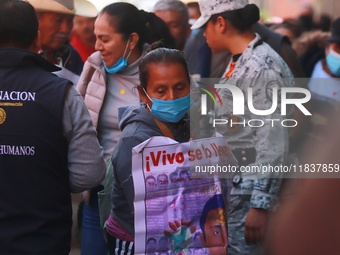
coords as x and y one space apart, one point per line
260 68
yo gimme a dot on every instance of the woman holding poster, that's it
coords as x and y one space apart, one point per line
164 91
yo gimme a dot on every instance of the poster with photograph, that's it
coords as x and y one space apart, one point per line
176 210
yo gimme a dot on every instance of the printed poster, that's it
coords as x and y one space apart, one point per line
178 211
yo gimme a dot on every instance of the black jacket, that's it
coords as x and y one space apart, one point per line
35 202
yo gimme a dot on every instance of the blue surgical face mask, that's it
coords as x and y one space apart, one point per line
120 64
333 62
170 110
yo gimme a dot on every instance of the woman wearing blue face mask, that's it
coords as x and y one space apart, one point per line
164 90
108 81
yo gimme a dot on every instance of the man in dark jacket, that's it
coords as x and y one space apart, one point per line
48 146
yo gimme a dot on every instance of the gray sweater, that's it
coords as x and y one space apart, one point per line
137 125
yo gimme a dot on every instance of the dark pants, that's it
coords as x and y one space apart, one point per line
119 247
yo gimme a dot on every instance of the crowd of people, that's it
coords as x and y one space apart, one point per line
80 88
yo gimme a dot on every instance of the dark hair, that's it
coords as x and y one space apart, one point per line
152 239
290 24
18 24
241 19
127 19
325 22
158 30
184 172
194 5
161 175
158 54
150 177
213 203
173 174
307 22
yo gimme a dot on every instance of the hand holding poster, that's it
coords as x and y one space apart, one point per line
176 212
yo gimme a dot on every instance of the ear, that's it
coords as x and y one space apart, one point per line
222 24
134 38
36 45
143 97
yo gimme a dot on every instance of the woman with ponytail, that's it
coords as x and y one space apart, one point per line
254 65
108 81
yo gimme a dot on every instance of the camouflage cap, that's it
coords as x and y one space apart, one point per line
211 7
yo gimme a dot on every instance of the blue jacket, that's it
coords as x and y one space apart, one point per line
35 201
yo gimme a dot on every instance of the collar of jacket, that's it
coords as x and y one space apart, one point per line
10 57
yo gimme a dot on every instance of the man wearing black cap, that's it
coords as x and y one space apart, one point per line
333 51
330 66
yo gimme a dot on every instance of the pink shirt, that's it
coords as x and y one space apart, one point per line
115 229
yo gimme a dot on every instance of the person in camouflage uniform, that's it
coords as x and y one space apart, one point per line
254 65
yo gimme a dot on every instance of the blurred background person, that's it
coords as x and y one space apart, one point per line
288 27
158 30
307 16
194 12
309 48
325 86
324 22
330 66
83 38
175 14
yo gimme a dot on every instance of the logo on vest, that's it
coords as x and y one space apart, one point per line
2 116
